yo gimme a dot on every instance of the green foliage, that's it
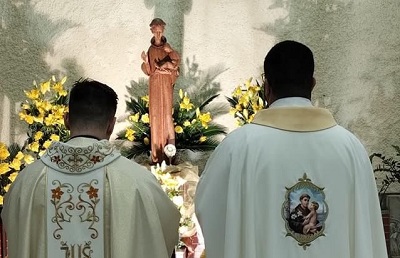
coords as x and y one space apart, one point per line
194 128
192 117
390 166
198 132
246 101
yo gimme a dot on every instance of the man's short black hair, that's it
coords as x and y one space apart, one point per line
289 69
91 103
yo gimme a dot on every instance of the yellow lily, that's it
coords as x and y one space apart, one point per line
4 168
54 137
129 134
134 118
145 118
3 151
15 164
38 135
45 87
178 129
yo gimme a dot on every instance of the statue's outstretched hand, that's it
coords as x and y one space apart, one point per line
144 57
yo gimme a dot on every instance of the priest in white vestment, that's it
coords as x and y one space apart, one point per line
293 183
83 199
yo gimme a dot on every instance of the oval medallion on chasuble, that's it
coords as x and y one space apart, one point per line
305 211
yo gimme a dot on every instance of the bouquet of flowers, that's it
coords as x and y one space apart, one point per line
43 111
246 101
193 127
179 183
12 160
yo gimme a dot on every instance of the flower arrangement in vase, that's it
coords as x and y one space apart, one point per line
179 183
246 100
43 112
194 127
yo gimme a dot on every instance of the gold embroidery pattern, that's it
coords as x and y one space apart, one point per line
305 211
78 159
80 251
65 207
88 205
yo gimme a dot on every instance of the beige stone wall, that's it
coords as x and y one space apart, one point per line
356 45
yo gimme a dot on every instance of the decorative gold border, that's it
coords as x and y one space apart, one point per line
61 207
303 240
77 159
88 207
87 201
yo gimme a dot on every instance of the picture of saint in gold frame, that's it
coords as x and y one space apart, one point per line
305 211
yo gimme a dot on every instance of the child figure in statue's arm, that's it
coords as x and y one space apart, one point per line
169 63
310 221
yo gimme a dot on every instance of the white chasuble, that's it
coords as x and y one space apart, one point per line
83 199
291 184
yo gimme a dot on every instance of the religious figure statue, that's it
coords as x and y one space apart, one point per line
161 64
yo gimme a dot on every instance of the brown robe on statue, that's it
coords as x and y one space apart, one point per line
162 67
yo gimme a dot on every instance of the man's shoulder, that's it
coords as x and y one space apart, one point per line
127 166
347 135
130 163
30 176
242 131
131 176
246 131
34 168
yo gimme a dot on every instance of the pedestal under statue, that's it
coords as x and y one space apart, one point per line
161 63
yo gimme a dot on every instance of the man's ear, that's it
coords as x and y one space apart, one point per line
66 120
313 83
267 93
266 89
110 127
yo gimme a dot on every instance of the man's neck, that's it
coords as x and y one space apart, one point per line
89 134
85 136
291 102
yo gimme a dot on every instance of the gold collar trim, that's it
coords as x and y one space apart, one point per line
297 119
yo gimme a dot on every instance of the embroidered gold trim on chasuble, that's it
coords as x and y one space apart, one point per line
73 159
297 119
75 199
75 214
